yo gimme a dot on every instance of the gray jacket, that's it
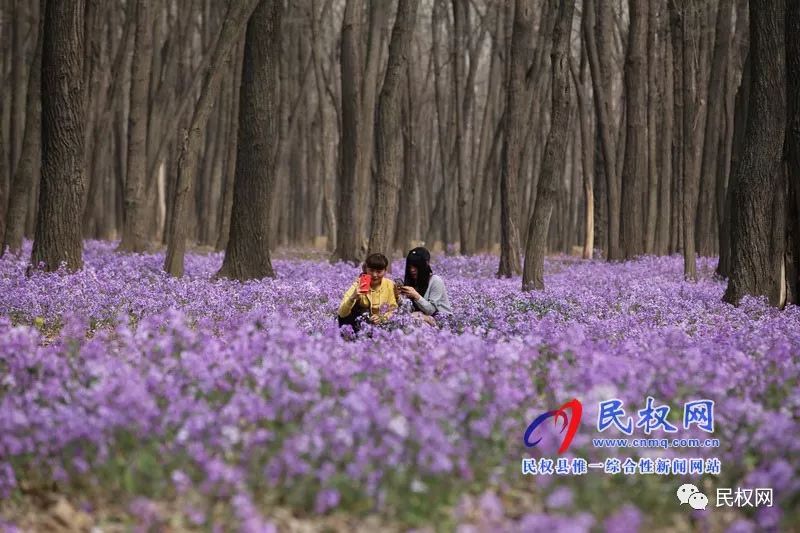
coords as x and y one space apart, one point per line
435 299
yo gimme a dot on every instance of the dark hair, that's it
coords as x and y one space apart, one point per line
419 257
377 262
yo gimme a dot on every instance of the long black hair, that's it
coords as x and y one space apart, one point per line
419 258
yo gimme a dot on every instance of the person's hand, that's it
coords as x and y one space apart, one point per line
411 292
375 319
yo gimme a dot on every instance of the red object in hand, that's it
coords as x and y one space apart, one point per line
364 282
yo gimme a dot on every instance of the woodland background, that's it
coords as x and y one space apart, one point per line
610 127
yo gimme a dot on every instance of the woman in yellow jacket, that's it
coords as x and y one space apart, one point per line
377 301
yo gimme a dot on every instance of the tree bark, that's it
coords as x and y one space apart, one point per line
793 147
678 138
605 127
553 163
516 103
665 208
634 169
654 60
704 232
247 254
230 158
587 152
58 236
134 238
389 139
235 19
30 158
348 246
752 264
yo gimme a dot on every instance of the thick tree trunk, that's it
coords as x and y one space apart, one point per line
134 229
752 264
247 254
693 50
348 245
516 103
63 185
553 163
389 139
29 165
634 169
238 14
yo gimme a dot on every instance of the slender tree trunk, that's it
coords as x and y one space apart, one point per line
389 138
752 264
793 148
18 77
678 139
29 164
587 152
713 130
666 84
553 164
653 105
63 185
134 229
605 127
460 9
516 99
230 158
238 14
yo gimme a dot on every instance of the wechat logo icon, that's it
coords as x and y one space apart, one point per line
688 493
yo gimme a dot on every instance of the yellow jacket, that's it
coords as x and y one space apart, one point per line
380 301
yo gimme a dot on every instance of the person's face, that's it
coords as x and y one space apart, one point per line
412 271
376 275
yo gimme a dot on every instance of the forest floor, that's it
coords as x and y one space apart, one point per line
133 400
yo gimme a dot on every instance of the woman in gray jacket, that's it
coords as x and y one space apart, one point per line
425 289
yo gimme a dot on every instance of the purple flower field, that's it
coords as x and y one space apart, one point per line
192 403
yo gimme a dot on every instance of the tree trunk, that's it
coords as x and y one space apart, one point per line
389 138
235 19
605 127
653 105
348 246
666 84
634 169
793 147
587 152
553 163
18 71
247 254
29 164
678 137
516 103
63 185
714 131
752 264
134 229
460 11
230 158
